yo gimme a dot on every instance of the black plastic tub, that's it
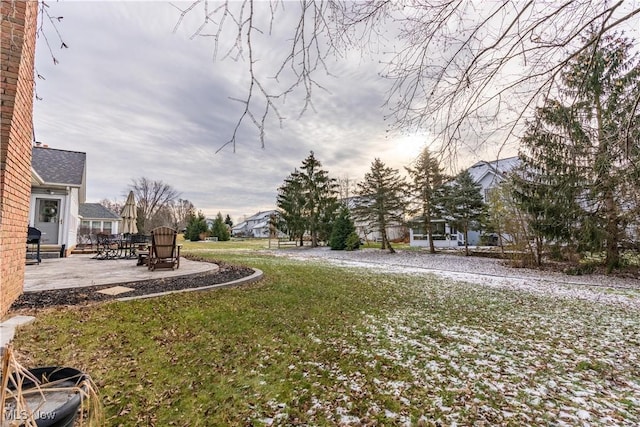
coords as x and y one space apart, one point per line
62 389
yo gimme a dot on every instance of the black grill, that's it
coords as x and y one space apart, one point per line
33 244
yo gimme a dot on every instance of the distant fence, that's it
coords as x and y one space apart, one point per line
289 243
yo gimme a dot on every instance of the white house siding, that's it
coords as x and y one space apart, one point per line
394 232
488 175
255 226
73 221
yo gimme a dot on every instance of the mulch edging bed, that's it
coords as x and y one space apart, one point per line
77 296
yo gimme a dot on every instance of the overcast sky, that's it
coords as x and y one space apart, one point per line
141 100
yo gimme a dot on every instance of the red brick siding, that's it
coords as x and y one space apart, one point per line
18 35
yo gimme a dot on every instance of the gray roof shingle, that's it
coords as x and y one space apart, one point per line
59 166
95 211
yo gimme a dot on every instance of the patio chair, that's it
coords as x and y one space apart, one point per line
164 252
106 246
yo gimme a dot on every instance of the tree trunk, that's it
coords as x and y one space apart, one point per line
604 178
613 251
500 241
466 241
428 228
538 251
385 239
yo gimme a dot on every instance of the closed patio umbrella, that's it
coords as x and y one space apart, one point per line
129 215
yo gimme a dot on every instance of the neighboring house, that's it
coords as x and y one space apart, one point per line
365 232
209 222
489 175
58 186
95 218
255 226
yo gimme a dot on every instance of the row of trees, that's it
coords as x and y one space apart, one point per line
309 205
159 204
576 192
579 185
197 227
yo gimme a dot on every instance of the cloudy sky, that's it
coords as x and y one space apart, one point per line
143 101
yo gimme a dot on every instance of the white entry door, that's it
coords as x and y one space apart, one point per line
48 220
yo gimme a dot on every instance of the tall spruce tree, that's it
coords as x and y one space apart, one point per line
290 202
307 202
463 206
320 201
426 178
383 195
219 229
581 152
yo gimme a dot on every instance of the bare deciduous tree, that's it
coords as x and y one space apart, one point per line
151 197
465 70
114 206
181 210
346 187
47 24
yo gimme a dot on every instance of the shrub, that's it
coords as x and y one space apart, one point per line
342 229
219 229
353 242
196 225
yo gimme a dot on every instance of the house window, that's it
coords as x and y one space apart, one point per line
48 211
95 227
85 227
107 226
438 228
487 193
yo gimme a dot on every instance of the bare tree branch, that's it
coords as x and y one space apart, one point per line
467 72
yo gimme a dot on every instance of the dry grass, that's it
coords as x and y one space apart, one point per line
24 397
319 345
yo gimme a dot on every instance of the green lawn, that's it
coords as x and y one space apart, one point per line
313 344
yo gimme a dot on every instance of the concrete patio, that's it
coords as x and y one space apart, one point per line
81 270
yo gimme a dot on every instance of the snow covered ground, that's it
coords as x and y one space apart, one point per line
486 345
482 271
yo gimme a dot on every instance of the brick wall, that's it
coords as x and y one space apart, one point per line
17 49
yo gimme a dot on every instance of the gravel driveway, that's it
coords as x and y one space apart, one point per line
481 271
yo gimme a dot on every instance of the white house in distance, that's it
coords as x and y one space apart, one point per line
256 225
58 186
95 219
366 233
489 175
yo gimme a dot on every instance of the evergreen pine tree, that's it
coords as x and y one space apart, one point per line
290 201
227 220
383 195
463 206
343 227
219 229
196 225
426 179
320 201
307 202
581 152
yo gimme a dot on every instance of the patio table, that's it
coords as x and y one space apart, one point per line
107 246
116 246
